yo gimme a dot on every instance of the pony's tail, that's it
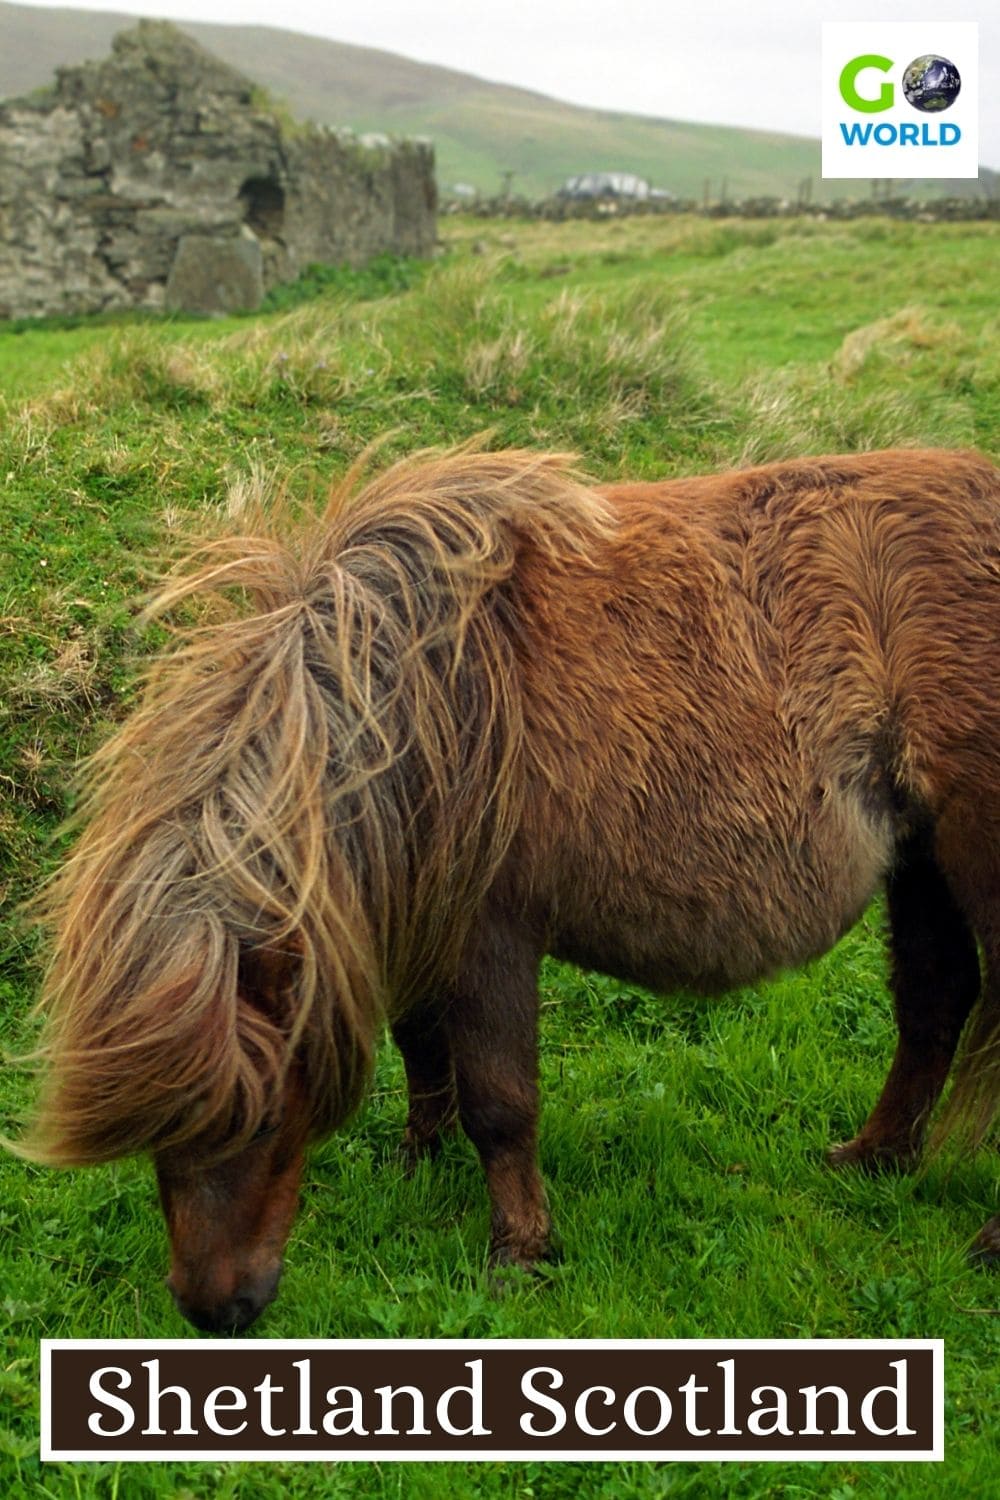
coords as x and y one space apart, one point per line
971 1109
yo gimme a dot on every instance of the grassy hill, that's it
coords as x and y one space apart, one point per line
480 129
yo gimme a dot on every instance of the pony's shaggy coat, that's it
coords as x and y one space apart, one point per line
480 711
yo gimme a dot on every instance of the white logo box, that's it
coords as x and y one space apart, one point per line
902 42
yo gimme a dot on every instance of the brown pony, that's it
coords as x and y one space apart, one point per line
481 712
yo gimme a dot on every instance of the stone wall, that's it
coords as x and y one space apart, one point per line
161 177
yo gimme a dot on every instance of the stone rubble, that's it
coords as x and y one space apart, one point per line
160 177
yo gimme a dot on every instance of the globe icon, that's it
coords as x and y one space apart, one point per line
931 83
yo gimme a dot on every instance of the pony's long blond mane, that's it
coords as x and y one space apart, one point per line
327 773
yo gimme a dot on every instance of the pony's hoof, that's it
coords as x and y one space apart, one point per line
419 1145
871 1158
507 1278
412 1150
511 1268
984 1252
512 1276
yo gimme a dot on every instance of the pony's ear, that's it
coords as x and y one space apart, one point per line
267 973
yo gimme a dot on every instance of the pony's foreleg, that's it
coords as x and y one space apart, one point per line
430 1080
493 1025
935 982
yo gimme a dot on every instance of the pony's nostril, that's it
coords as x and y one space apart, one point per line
243 1311
237 1312
228 1317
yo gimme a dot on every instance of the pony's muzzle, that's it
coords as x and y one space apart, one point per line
232 1314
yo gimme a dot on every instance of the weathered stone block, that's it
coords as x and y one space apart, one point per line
216 276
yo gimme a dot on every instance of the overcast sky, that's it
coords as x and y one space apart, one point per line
727 61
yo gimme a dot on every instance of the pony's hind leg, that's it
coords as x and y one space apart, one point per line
430 1079
492 1025
976 1086
935 982
969 849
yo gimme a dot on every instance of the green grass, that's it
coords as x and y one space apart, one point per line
682 1141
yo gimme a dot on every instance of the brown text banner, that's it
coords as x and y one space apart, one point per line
450 1399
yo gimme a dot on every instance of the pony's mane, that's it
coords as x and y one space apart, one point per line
326 772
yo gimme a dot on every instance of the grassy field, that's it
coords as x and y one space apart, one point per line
682 1142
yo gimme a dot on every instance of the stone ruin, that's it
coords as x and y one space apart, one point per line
161 178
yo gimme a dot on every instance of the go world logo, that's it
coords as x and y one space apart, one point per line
900 99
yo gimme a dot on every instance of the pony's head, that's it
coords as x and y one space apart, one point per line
289 838
228 1225
229 1207
230 1190
218 1070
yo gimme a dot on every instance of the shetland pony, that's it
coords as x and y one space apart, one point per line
482 711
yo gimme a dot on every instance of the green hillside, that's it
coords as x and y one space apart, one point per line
481 130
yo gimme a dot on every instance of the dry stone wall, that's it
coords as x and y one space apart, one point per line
160 177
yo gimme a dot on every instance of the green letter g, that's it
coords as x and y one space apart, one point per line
849 93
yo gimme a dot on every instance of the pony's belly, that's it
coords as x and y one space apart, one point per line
771 904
